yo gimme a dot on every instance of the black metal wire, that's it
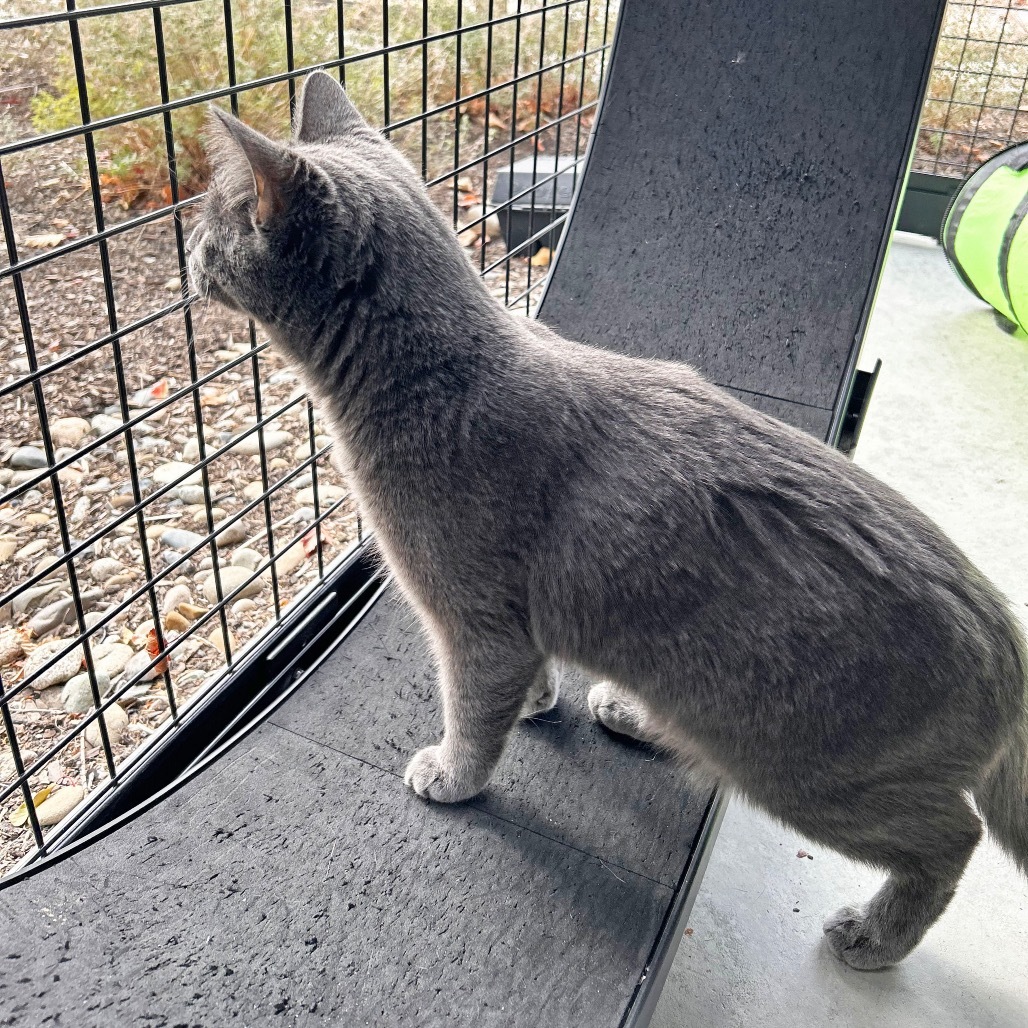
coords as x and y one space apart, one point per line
963 122
522 76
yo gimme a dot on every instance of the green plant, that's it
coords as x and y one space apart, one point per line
122 73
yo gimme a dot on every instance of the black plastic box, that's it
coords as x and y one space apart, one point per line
551 199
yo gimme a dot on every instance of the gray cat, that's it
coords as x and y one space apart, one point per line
744 595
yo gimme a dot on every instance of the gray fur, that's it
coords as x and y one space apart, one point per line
778 617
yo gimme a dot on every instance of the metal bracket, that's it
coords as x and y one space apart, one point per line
856 407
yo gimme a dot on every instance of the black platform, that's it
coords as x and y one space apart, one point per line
299 876
735 212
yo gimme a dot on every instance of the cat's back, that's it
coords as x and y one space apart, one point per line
666 463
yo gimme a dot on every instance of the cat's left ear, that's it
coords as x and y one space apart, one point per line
257 163
324 111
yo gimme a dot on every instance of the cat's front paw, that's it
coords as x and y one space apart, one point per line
428 775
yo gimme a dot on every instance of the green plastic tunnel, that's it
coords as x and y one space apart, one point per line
985 235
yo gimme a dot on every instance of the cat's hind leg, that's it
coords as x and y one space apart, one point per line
622 713
543 692
924 839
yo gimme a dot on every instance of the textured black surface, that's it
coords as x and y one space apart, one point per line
740 186
298 876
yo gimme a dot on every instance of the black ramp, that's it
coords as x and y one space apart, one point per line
740 189
298 876
734 214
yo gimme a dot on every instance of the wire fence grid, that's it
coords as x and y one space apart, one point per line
976 102
165 487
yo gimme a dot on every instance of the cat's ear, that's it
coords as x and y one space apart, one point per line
324 111
249 162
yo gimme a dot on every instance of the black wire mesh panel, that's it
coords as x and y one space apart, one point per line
166 489
976 103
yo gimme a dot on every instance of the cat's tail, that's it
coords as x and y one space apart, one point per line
1002 798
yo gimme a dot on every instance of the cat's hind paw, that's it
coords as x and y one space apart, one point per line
852 939
618 712
543 694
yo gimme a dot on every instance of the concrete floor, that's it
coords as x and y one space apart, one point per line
948 427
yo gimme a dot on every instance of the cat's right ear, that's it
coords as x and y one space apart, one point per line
248 164
324 111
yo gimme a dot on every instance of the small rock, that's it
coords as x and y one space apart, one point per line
278 463
273 440
100 486
230 535
253 490
11 649
191 451
64 669
104 568
70 478
233 578
175 469
246 558
78 514
77 694
116 721
104 423
59 804
326 494
180 539
175 622
111 658
135 667
199 516
56 613
217 640
36 519
69 431
191 611
290 559
27 457
115 582
174 596
8 546
49 699
32 599
31 549
141 633
241 607
8 769
188 493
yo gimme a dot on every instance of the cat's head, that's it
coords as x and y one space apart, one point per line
285 227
